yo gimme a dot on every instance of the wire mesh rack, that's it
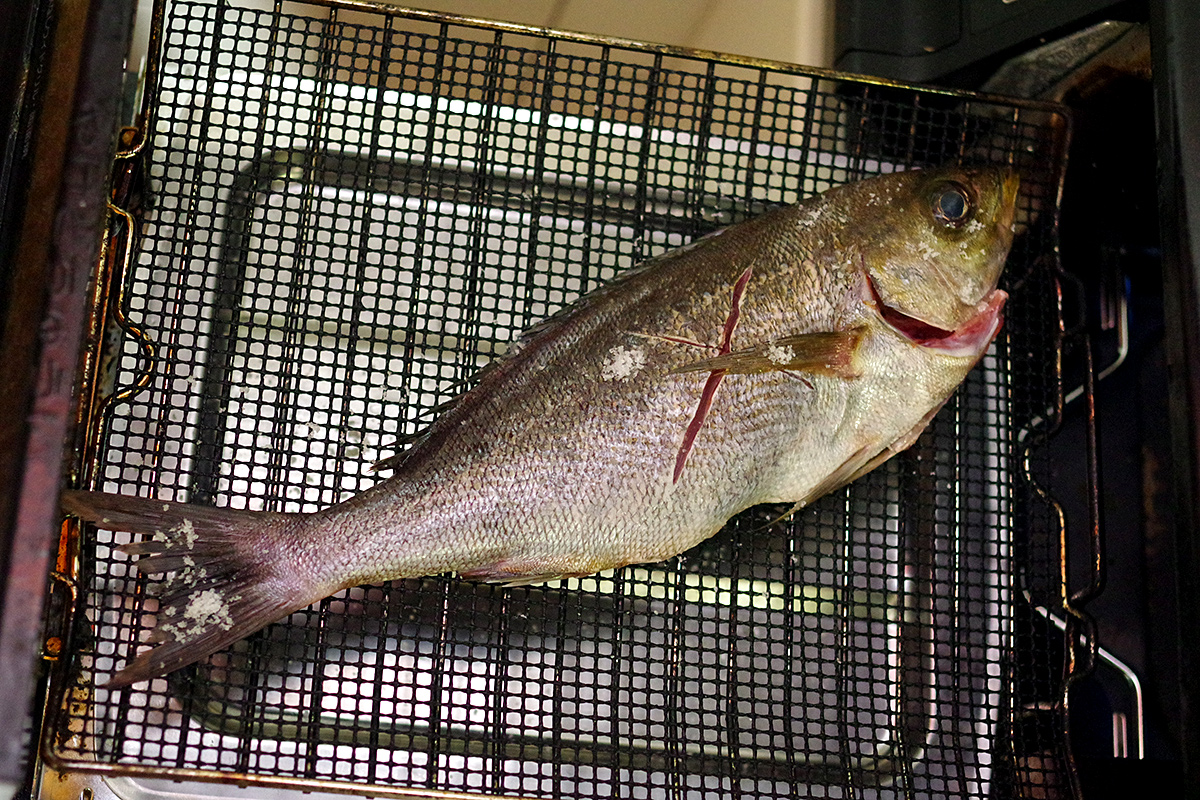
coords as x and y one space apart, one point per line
350 209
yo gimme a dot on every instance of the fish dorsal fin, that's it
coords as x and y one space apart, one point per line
406 442
393 461
824 353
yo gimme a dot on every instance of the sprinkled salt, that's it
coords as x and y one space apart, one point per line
186 531
780 354
208 608
811 217
623 363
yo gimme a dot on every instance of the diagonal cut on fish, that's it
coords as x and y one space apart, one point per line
709 393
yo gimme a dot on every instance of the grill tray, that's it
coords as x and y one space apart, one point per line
351 210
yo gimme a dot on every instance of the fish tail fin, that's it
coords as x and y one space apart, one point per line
230 573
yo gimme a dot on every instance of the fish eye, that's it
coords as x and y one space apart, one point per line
952 205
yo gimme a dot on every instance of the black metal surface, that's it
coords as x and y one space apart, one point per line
350 212
957 43
1110 242
1177 117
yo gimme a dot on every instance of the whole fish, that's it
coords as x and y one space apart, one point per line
770 362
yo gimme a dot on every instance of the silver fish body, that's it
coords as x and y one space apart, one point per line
771 362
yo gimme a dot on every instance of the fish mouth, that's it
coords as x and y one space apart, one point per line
968 340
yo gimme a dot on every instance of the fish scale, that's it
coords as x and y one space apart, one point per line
771 362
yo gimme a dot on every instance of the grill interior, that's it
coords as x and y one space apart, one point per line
344 213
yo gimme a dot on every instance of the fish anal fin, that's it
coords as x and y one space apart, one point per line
823 353
515 572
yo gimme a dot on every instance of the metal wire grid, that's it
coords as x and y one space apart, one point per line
352 211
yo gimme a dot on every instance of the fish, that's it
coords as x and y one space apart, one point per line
770 362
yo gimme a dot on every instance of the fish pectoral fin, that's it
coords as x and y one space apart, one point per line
824 353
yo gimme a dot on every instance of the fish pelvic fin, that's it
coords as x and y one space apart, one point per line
824 353
865 460
225 582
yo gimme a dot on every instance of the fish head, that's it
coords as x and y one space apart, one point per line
934 251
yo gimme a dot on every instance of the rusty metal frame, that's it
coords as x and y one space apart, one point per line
55 263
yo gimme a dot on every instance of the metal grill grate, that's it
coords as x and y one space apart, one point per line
352 210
